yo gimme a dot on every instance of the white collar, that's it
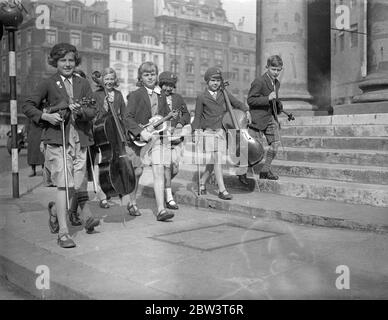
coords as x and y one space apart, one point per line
157 90
64 79
212 93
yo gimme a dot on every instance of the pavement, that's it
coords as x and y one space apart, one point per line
244 249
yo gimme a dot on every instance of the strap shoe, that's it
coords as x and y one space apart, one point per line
65 241
268 175
164 215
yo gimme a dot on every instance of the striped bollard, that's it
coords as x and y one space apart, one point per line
13 112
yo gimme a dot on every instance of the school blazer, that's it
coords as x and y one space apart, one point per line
178 102
138 110
54 91
118 103
209 112
261 110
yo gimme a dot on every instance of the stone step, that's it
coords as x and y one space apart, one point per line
345 157
348 119
359 143
350 173
337 130
309 188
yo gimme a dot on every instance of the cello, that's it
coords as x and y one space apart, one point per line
236 119
117 176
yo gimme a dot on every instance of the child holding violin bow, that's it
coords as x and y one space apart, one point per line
265 107
66 134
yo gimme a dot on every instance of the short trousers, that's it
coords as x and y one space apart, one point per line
271 132
76 165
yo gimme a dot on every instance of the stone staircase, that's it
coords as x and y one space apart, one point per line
340 158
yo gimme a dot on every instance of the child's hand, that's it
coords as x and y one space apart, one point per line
75 107
249 117
53 118
272 96
146 135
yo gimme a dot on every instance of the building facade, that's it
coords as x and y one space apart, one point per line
86 27
197 35
127 51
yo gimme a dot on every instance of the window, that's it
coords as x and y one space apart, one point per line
29 36
143 57
204 53
97 41
204 35
234 74
94 19
19 61
75 15
75 38
190 88
51 36
246 58
246 75
156 59
131 74
130 56
354 35
18 39
190 51
96 64
203 70
190 68
218 55
118 55
175 67
234 56
218 36
28 61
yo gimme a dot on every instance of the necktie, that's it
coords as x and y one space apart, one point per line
69 89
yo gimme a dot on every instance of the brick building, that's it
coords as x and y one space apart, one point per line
86 27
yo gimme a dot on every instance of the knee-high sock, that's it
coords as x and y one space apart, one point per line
271 153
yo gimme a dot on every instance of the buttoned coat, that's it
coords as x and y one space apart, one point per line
138 110
178 102
54 91
118 102
209 112
261 109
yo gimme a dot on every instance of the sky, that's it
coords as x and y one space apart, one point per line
235 10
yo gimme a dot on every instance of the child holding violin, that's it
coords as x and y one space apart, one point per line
209 111
65 87
143 104
263 99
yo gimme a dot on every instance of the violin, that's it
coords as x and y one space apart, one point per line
117 176
158 122
63 105
236 119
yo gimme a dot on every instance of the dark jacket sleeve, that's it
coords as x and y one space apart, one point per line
255 96
129 115
185 114
32 106
196 124
121 106
237 103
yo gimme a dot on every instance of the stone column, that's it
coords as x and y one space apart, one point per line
284 32
375 84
